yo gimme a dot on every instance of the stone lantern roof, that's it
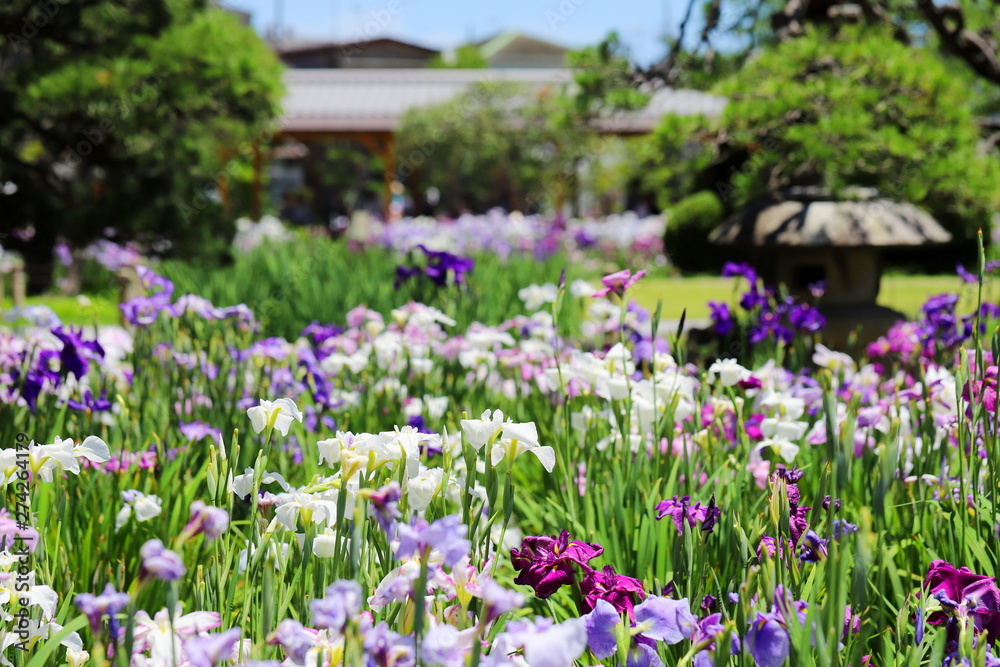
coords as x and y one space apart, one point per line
872 223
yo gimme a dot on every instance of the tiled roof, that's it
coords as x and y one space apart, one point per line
344 100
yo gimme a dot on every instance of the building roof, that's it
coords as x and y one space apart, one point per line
346 100
291 47
515 49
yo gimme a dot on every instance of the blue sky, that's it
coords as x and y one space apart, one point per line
444 24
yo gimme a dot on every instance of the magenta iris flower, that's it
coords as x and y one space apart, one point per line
960 587
618 282
547 562
619 590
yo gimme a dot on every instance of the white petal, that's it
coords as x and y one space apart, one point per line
546 455
94 449
258 418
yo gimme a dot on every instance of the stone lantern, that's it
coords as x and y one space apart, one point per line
805 240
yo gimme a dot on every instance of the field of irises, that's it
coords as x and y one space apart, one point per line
553 480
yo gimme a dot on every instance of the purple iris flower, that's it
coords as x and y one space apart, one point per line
76 351
965 275
768 638
294 638
196 430
446 535
442 646
383 506
722 320
843 528
681 510
159 562
95 607
89 403
600 624
731 269
498 600
383 647
813 548
403 275
658 619
806 319
547 562
797 522
213 521
341 603
212 649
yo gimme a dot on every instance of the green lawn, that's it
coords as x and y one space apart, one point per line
70 310
903 293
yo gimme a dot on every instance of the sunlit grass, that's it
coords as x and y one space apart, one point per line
903 293
76 310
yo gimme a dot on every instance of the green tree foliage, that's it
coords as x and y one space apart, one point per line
835 111
495 145
467 56
500 145
116 113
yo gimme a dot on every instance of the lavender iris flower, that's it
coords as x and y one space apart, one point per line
446 535
340 604
95 607
159 562
212 649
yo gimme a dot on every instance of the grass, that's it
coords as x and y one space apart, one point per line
70 310
903 293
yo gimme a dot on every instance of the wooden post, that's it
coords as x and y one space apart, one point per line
255 200
389 161
20 286
223 185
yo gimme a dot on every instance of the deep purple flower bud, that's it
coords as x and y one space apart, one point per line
159 562
340 604
681 511
797 522
708 603
827 502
